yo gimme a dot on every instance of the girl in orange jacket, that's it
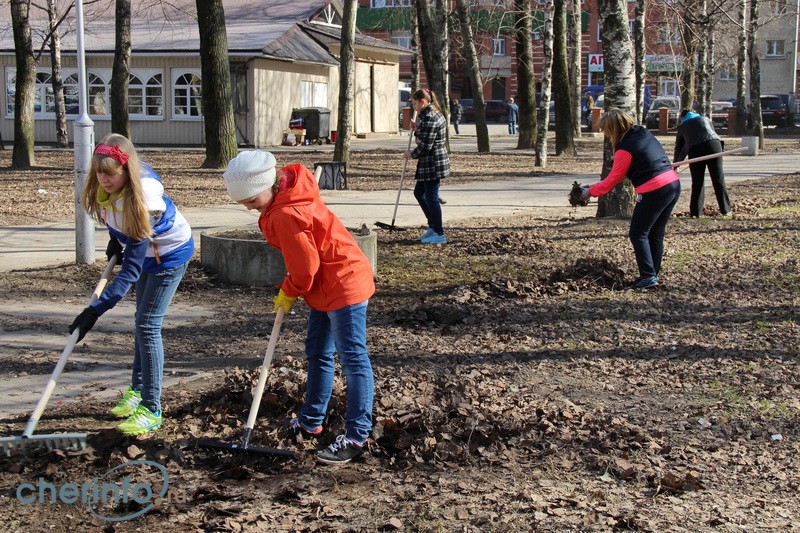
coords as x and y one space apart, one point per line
327 268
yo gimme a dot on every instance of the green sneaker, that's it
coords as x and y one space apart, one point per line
141 421
128 404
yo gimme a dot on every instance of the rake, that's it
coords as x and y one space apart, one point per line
391 227
61 441
244 446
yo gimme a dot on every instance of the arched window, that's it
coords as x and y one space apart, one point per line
43 101
145 97
98 95
186 96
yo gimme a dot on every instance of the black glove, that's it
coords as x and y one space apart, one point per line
114 248
84 321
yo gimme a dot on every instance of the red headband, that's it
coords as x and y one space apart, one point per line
113 152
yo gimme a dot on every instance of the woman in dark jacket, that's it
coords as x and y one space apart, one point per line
433 161
639 156
696 137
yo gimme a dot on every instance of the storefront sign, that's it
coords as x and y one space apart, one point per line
595 63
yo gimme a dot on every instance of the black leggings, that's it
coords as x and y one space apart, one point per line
698 171
648 225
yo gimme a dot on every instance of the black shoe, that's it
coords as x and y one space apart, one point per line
340 451
294 429
441 200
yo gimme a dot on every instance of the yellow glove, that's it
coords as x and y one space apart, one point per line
281 300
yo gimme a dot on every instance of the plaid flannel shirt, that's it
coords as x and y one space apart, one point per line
433 160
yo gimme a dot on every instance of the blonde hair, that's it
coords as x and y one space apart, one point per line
135 216
615 123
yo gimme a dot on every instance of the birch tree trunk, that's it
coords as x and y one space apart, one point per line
526 91
220 128
690 45
755 75
741 70
544 101
565 142
619 92
473 68
56 81
121 71
575 65
24 86
347 76
640 53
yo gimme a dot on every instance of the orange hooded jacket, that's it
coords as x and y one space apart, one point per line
325 265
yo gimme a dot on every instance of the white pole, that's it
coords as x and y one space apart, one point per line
84 147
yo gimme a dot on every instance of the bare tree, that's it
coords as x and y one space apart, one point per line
565 141
347 76
220 130
639 66
121 71
757 127
575 54
415 84
526 91
544 102
741 70
474 73
24 86
56 81
619 92
432 23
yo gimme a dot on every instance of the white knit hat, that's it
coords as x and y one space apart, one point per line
249 173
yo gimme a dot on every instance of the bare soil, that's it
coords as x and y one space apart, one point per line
518 386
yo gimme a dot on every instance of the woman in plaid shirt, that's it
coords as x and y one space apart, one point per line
433 163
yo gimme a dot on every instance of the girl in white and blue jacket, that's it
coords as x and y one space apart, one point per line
155 243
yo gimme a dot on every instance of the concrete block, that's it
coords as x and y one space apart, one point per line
751 143
241 255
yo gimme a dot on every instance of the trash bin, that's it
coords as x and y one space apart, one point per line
317 121
334 174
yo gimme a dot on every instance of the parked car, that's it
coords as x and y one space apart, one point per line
773 111
719 113
495 111
673 103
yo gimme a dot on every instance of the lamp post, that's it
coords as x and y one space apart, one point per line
84 146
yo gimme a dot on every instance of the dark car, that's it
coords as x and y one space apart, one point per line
673 103
719 113
495 111
773 111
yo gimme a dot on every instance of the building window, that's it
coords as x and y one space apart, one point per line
498 46
321 94
390 3
775 49
187 95
401 38
777 7
632 25
667 87
145 96
668 34
306 93
536 35
727 73
599 32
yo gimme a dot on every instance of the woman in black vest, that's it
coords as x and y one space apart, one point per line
639 156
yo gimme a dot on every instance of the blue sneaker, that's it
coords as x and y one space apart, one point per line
435 239
428 232
645 283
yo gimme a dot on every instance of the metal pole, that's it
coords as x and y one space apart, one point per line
83 129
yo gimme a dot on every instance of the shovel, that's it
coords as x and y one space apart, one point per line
391 227
62 441
244 446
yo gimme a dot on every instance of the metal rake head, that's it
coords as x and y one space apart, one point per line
57 441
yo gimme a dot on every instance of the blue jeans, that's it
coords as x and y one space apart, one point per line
345 332
427 195
648 226
512 127
154 293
